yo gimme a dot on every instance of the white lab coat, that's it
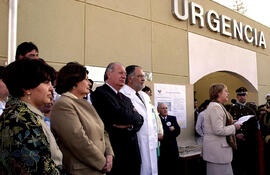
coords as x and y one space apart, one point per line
2 106
147 135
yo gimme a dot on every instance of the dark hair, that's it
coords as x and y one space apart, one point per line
92 83
1 71
204 105
146 89
214 90
24 48
130 71
228 107
26 74
69 76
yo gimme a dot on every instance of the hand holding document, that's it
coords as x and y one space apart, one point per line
243 119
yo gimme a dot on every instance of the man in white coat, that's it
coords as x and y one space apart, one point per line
148 134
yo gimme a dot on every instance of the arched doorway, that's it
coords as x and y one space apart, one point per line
230 79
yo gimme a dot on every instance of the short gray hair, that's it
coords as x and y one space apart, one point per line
110 68
159 104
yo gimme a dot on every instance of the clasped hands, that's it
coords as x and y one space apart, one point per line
124 126
171 128
108 166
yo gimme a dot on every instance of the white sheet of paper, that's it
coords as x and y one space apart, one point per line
241 120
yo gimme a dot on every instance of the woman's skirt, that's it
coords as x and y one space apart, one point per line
219 169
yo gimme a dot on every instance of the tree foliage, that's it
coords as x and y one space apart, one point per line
239 6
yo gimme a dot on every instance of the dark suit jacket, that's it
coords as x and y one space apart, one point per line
115 110
238 111
249 128
245 157
168 146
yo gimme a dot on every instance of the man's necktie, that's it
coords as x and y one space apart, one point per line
140 97
164 118
119 94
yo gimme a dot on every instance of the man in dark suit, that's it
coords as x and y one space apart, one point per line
168 145
121 121
244 158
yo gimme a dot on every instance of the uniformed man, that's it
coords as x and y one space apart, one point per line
244 160
265 129
265 119
267 98
243 107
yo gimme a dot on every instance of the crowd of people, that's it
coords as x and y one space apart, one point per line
231 147
53 123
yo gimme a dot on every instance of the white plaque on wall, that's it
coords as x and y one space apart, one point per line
174 96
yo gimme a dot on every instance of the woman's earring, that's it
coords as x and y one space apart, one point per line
28 95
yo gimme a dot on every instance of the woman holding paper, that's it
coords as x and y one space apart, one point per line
217 149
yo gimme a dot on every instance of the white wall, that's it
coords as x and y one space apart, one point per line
208 55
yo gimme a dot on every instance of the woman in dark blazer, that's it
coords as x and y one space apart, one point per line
78 128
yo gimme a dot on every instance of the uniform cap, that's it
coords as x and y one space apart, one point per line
241 91
267 97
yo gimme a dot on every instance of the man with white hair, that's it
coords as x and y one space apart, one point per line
121 121
168 146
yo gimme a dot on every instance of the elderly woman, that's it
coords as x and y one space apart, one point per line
27 144
217 150
77 126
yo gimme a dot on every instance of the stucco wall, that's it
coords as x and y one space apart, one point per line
143 32
3 31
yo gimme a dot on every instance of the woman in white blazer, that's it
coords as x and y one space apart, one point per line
216 151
